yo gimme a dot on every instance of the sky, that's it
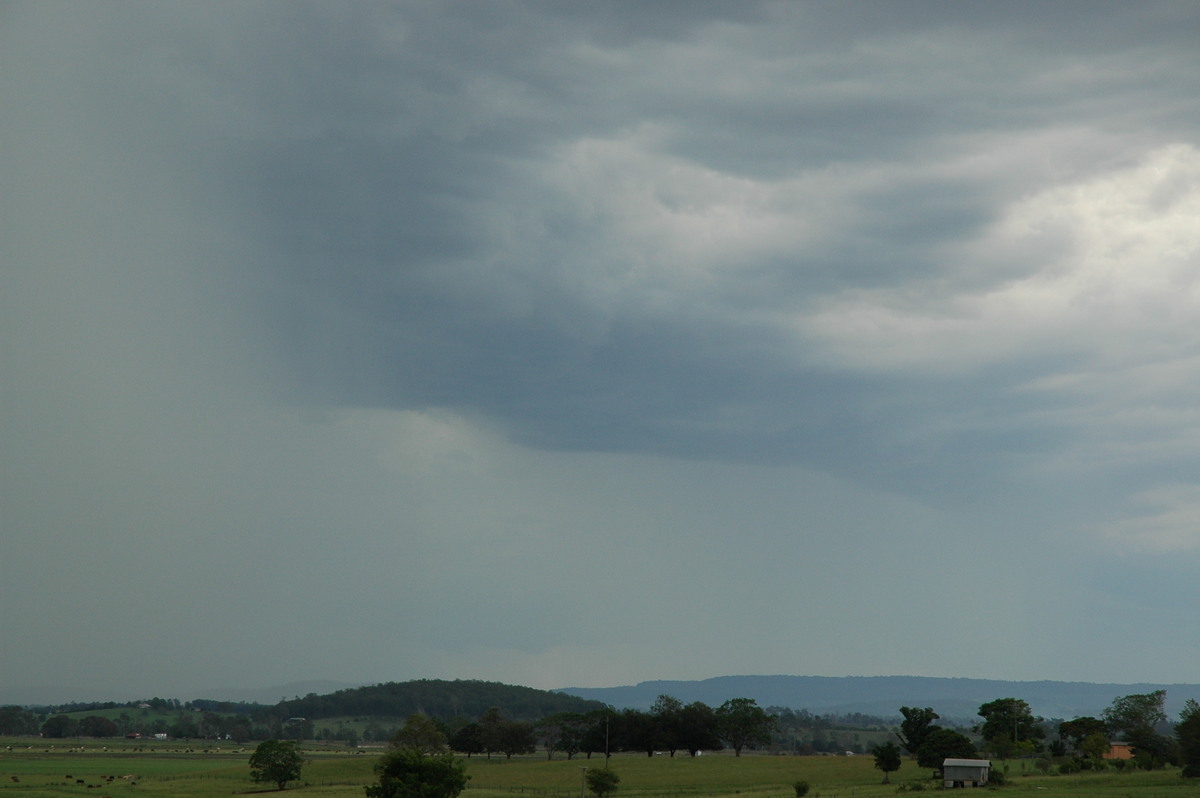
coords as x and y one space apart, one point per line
581 344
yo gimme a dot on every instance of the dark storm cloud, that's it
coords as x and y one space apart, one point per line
391 164
444 292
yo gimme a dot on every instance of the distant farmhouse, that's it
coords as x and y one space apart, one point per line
1120 751
965 772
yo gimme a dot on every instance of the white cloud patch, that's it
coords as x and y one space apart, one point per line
675 225
1112 282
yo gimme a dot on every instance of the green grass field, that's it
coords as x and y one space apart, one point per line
178 770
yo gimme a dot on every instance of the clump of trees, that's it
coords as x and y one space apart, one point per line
742 723
799 731
1140 721
930 743
419 764
670 726
1137 719
15 720
1010 729
1188 733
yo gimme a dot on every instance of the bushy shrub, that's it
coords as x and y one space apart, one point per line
1145 761
801 788
407 772
602 782
1067 768
1043 765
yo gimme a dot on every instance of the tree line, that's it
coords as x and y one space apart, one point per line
419 760
1011 730
573 726
668 728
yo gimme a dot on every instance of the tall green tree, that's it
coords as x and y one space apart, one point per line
1095 746
635 730
942 744
887 759
571 728
276 761
1079 729
1136 715
743 722
1009 720
1188 733
602 732
667 712
491 730
60 726
422 733
916 726
517 737
698 729
1136 719
551 729
467 740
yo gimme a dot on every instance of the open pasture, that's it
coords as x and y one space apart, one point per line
150 769
178 770
763 776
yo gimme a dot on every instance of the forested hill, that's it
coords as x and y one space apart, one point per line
438 699
957 699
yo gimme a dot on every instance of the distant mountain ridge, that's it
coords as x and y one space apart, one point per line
952 698
955 699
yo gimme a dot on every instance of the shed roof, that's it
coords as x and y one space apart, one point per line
967 763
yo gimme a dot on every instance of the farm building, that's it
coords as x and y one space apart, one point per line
1119 751
965 772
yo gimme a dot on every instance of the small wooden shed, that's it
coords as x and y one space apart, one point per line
1119 751
965 772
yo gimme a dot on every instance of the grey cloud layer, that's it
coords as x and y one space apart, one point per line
840 260
603 236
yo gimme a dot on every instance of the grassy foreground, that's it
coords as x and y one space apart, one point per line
179 770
